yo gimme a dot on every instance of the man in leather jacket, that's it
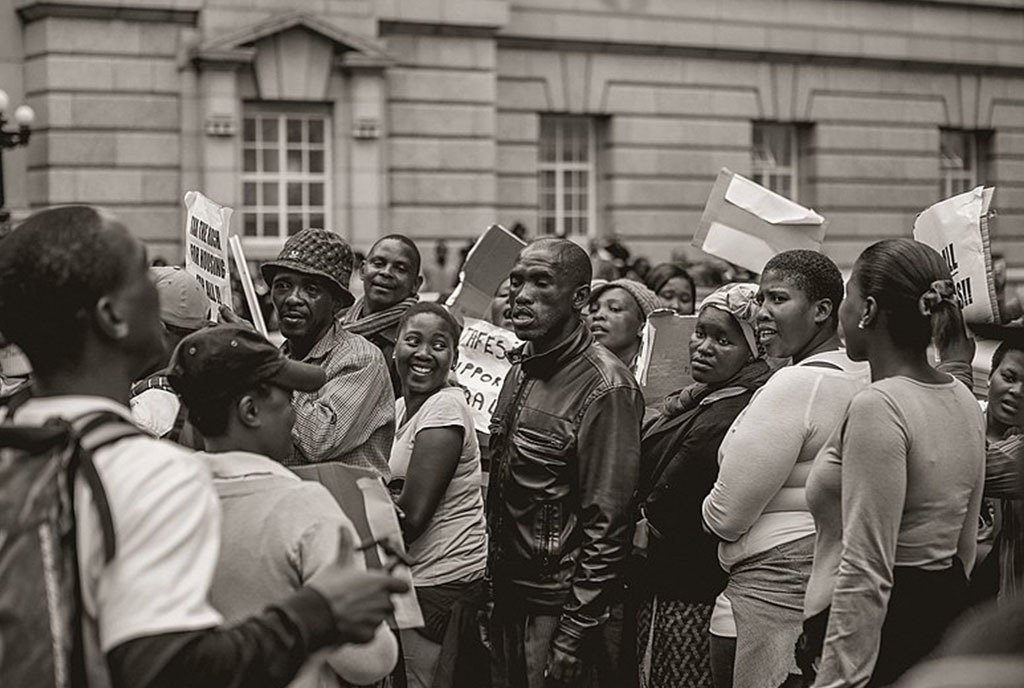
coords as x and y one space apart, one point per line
566 439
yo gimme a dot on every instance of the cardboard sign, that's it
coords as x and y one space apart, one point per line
746 224
958 229
365 500
206 246
482 366
487 266
664 363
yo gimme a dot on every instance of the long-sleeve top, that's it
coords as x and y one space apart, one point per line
899 485
351 419
758 500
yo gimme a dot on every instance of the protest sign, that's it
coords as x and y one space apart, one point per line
365 500
958 229
247 286
487 266
664 363
483 364
206 246
747 224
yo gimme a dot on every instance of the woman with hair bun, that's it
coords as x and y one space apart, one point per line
896 491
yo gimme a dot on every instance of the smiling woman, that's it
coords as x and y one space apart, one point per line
435 464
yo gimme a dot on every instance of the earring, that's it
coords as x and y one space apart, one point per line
860 325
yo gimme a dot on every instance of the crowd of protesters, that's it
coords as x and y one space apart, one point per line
806 513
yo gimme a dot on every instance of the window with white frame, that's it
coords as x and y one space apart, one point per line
567 176
775 162
963 155
285 173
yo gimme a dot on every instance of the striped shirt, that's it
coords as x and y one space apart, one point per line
351 419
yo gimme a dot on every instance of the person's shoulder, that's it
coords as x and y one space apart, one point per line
447 402
356 349
309 498
609 371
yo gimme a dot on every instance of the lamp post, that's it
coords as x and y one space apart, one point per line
23 116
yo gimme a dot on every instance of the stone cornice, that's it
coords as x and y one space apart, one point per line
181 12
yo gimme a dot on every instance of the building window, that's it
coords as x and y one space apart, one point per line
567 180
963 157
775 160
285 178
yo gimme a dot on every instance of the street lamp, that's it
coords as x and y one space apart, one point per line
23 116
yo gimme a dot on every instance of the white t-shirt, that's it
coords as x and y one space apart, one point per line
454 545
167 524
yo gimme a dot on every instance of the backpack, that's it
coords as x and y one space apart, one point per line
41 624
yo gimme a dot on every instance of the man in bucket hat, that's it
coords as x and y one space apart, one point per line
351 419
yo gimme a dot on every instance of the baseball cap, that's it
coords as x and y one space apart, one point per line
225 360
183 303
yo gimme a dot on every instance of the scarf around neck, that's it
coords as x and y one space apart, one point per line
750 376
370 325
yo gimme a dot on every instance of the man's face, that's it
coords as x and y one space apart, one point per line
541 297
389 275
304 304
137 301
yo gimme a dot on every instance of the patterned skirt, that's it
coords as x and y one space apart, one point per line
673 645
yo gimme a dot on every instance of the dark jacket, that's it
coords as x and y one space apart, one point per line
679 466
566 443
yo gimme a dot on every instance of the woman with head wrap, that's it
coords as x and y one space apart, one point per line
677 582
674 287
618 313
896 491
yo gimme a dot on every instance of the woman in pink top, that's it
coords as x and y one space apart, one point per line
896 491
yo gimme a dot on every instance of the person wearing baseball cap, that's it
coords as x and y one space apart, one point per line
277 531
351 419
184 308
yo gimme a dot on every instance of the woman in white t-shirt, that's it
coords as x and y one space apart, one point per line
435 464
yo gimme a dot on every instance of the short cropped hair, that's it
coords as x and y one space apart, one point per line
812 273
451 324
54 267
211 415
408 243
572 260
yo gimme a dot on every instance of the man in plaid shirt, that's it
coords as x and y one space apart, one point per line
351 419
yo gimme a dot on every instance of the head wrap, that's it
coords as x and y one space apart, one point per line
646 300
935 295
738 300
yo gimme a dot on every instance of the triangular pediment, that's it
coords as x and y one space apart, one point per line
241 45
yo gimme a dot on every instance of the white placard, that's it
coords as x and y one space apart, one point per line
206 246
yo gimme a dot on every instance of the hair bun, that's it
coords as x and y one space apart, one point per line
940 291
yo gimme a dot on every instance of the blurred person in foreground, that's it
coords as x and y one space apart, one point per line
674 286
435 464
351 419
391 279
566 441
758 506
618 312
896 491
184 309
277 531
676 575
76 297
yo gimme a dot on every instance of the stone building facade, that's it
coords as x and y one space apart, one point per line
436 118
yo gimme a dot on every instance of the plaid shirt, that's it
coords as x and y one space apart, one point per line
351 419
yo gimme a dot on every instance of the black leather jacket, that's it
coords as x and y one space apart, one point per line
566 441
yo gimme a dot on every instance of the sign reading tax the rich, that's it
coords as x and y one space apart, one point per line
206 246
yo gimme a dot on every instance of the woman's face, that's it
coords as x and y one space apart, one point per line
499 307
615 320
1006 390
718 349
850 313
424 353
785 317
676 294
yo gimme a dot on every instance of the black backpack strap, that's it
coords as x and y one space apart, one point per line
94 432
820 364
